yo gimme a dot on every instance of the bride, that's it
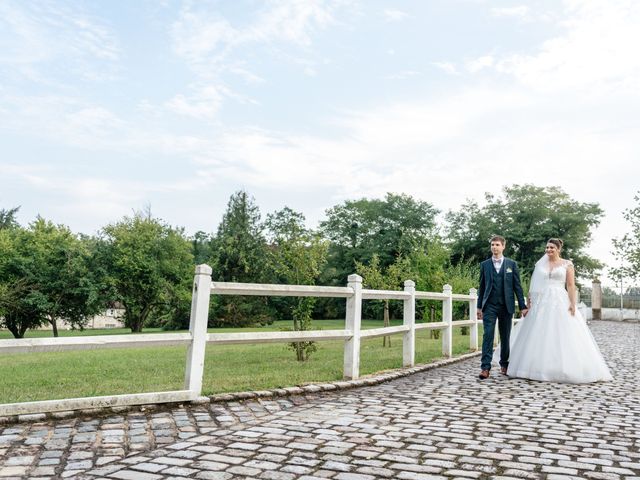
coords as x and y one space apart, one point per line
553 342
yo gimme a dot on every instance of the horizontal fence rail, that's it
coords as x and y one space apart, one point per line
198 338
60 344
258 289
275 337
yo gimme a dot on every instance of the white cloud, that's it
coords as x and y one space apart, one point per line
520 11
210 45
63 119
206 38
595 54
403 75
480 63
447 67
34 35
445 151
203 105
394 15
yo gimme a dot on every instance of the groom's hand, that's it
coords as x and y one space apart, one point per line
524 312
479 314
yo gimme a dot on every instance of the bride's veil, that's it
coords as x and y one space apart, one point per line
539 278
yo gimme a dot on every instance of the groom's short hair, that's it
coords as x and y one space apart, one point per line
498 238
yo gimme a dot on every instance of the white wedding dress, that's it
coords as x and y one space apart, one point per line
550 344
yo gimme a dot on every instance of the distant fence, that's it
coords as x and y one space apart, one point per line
631 302
198 338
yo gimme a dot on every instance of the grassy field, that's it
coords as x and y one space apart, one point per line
228 368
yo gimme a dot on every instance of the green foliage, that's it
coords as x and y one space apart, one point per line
150 267
8 218
432 269
202 248
428 271
376 277
239 247
627 248
388 228
239 255
428 266
527 216
45 276
393 227
296 256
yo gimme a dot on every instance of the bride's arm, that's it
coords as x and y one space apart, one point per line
571 287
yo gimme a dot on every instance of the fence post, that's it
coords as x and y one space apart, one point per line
352 322
409 319
596 299
198 328
447 317
473 337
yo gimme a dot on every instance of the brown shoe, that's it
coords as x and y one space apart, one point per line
484 374
503 370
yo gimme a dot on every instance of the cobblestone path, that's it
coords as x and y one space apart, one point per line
438 424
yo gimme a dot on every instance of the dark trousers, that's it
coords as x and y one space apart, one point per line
490 314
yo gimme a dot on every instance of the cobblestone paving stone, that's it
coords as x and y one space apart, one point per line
438 424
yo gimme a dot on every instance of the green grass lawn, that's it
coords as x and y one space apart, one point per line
228 368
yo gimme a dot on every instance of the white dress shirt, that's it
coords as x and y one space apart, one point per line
497 263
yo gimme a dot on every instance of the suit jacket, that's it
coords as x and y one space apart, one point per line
511 283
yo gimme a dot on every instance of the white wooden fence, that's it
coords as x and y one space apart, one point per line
198 338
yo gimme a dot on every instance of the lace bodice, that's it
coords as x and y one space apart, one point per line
557 276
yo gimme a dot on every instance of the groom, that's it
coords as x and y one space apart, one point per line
499 284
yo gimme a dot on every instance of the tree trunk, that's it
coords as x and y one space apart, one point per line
15 326
435 334
54 324
465 330
137 322
298 347
15 332
386 340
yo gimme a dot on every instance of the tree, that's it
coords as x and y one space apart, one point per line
201 243
296 256
17 310
390 278
527 216
238 255
388 228
428 267
150 265
8 218
627 248
46 277
391 227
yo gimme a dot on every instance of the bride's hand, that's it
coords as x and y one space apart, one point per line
572 310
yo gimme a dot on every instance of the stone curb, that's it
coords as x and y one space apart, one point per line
373 379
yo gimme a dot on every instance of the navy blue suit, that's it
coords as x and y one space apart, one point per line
497 294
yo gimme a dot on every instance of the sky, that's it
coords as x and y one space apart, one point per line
111 107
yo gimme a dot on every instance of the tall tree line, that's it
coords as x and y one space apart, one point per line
48 272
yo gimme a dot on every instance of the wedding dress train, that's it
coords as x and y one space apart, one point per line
550 344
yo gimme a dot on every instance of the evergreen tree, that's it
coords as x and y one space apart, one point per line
238 255
8 218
